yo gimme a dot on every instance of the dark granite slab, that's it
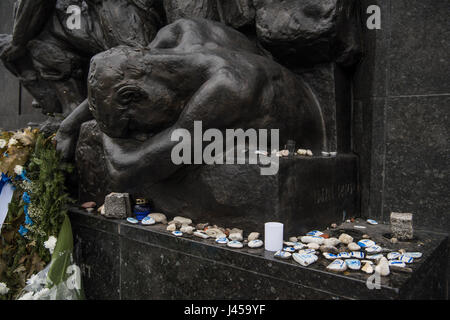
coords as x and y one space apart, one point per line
126 261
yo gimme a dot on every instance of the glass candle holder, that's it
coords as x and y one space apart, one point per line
273 236
141 209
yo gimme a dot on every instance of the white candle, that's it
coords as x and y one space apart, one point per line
273 236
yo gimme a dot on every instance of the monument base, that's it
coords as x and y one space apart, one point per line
123 261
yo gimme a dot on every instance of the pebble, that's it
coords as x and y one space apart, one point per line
159 217
235 244
201 234
337 265
372 222
357 255
331 242
87 205
132 220
359 227
345 238
344 255
182 220
253 236
305 259
201 226
383 267
397 263
90 210
330 256
406 259
101 210
216 233
393 255
177 233
394 240
367 268
289 249
307 251
415 255
284 153
293 239
187 229
236 236
312 239
315 233
299 246
289 243
375 257
366 243
353 247
255 243
366 236
171 227
374 249
402 251
353 264
313 245
148 221
334 225
282 255
223 240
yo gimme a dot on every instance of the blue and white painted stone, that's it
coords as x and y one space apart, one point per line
353 264
289 249
357 255
307 251
360 227
177 233
222 240
330 256
373 222
235 244
344 255
282 254
366 243
299 246
289 243
406 259
305 259
147 221
394 255
337 265
397 263
316 233
132 220
415 255
374 256
374 249
201 234
312 239
256 243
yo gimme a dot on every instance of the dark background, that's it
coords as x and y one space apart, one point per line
400 114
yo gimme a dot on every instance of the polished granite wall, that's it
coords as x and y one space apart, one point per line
401 113
10 95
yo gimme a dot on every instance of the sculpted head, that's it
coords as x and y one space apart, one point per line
127 96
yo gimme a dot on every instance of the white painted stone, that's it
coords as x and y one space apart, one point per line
337 265
331 242
330 256
148 221
397 263
366 243
345 238
374 249
299 246
312 239
223 240
375 257
313 245
201 234
235 244
253 236
289 249
406 259
344 255
415 255
255 243
307 251
182 220
293 239
132 220
393 255
372 222
357 255
187 229
316 233
177 233
305 259
282 255
353 264
171 227
159 217
353 247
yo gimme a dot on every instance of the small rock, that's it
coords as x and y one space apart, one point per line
216 233
201 234
90 210
393 255
293 239
383 267
177 233
334 225
337 265
312 239
171 227
402 225
235 236
325 248
223 240
313 245
353 264
147 221
101 209
289 249
344 255
372 222
298 246
235 244
402 251
307 251
415 255
353 247
305 259
255 243
367 268
357 255
302 152
373 249
359 227
132 220
345 238
187 229
406 259
202 226
331 242
282 255
284 153
394 240
289 243
366 243
158 217
316 233
397 263
253 236
366 236
367 261
88 205
117 205
330 256
375 257
183 220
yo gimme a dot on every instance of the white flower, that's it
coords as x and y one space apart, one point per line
2 143
50 244
18 169
12 142
3 288
27 296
